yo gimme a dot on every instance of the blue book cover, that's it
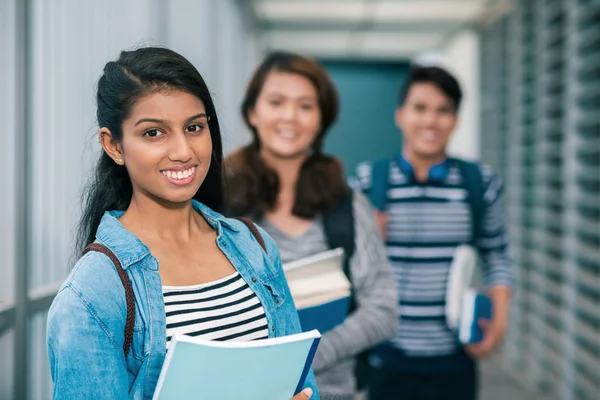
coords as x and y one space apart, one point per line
273 369
324 317
474 306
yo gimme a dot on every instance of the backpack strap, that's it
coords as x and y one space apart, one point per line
473 184
255 232
129 297
380 177
338 224
340 228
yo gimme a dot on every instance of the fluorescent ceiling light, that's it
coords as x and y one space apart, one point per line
429 11
300 10
377 11
387 45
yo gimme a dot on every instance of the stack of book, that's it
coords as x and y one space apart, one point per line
465 306
320 289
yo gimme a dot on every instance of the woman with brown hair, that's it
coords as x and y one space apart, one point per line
284 182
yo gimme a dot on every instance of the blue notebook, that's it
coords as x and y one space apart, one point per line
474 306
274 369
326 316
320 289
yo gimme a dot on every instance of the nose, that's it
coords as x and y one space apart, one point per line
179 149
290 112
429 118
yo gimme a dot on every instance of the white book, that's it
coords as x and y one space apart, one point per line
460 276
320 289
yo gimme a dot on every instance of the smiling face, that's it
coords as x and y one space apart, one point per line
166 146
427 119
286 115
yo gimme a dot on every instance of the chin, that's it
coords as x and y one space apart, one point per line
289 153
169 197
431 153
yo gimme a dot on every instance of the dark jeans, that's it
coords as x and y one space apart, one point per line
388 384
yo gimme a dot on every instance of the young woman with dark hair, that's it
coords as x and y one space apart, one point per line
150 226
286 184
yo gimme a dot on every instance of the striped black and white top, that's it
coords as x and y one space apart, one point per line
427 221
226 309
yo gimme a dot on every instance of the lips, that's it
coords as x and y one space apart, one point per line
288 136
180 176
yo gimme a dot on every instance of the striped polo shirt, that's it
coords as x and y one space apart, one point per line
427 221
226 309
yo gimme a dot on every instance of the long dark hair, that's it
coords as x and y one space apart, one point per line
135 74
253 187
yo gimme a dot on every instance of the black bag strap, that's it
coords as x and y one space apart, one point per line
129 297
254 230
338 224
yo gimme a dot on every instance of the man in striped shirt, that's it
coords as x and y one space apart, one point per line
426 215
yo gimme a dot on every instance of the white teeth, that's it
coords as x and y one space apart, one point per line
180 174
287 134
429 135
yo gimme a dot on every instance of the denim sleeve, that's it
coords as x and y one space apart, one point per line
293 325
85 362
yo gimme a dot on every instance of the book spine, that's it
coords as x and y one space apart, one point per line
307 365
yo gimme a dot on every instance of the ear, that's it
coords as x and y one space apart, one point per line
112 148
252 117
455 124
399 116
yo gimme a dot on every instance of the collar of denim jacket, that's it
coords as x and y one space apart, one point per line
130 250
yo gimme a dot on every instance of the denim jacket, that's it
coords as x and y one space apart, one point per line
86 321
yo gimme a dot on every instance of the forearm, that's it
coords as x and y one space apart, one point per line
373 322
365 328
500 296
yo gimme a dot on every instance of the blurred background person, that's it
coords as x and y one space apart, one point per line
284 182
428 209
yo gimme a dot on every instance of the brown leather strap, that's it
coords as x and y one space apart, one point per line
129 297
254 231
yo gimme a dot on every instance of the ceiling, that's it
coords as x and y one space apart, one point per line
381 29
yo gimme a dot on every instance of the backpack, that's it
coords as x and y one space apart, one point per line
472 183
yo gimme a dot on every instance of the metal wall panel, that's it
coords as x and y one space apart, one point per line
8 151
542 84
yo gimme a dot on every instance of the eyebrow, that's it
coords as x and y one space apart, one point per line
303 97
160 121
